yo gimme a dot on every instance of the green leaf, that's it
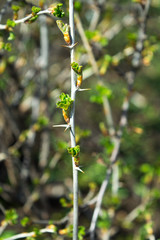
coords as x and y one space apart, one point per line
65 102
1 189
81 232
11 216
33 19
35 10
76 67
57 11
107 144
11 36
8 47
146 168
7 234
100 92
24 221
64 28
62 145
37 231
43 121
15 8
78 5
74 151
96 99
10 23
96 36
104 91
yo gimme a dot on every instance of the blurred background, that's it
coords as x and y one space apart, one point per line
35 167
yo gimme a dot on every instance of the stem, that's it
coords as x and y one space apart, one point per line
72 127
22 20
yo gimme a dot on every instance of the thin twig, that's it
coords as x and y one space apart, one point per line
25 19
30 234
86 44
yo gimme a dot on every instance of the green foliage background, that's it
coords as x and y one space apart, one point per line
22 134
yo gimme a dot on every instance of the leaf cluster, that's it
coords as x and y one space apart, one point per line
11 216
65 102
57 11
74 151
35 10
76 67
64 27
100 92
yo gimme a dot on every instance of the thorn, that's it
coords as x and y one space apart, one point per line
61 125
81 89
68 126
70 46
78 169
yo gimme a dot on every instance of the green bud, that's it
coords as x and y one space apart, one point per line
10 23
74 151
77 68
35 10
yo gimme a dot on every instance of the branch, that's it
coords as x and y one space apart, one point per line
86 44
72 122
30 234
25 19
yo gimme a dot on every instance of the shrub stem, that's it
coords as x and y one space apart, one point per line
72 127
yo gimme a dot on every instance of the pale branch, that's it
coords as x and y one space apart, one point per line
61 125
25 19
31 234
3 227
109 118
86 44
95 18
98 203
44 55
72 121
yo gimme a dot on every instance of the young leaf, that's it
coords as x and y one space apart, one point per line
11 36
10 23
15 8
33 19
65 29
11 216
74 151
56 10
65 102
24 221
76 67
35 10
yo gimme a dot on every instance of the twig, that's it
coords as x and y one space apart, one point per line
99 202
25 19
30 234
44 47
95 18
86 44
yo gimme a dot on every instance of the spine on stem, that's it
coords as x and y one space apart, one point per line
67 104
72 119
